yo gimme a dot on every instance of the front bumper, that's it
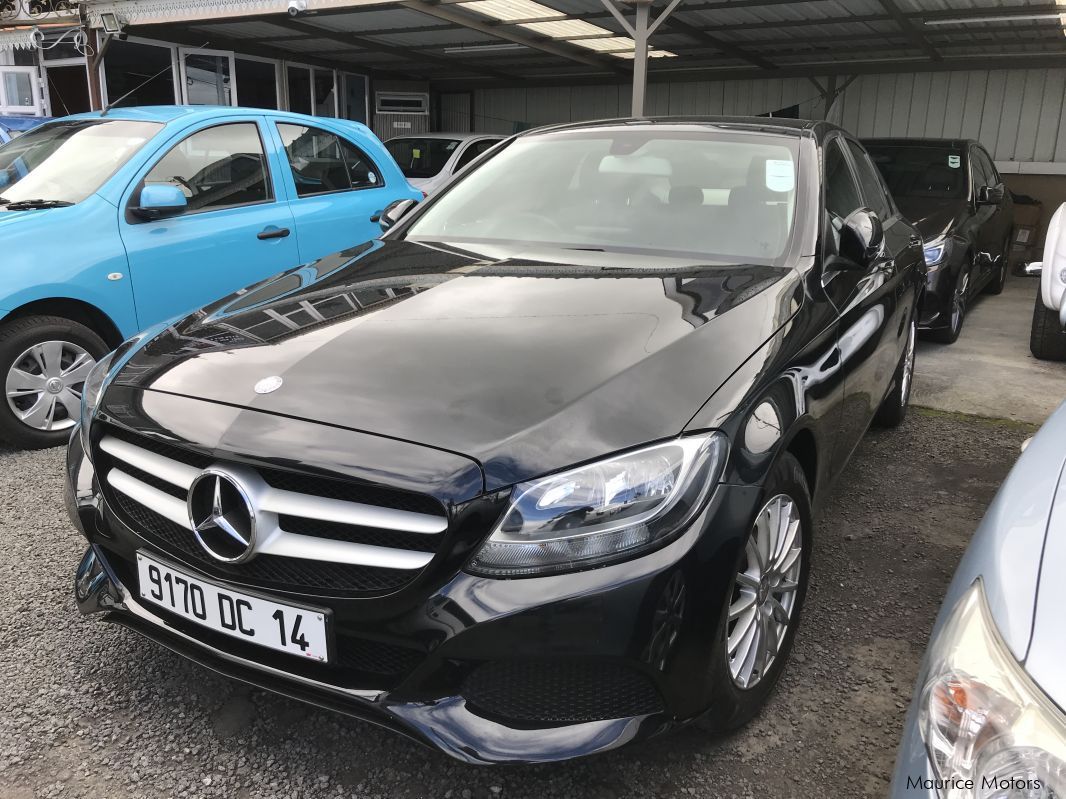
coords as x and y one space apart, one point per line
525 633
913 777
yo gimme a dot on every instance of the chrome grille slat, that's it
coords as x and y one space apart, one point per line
271 503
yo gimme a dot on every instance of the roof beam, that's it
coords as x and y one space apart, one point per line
908 27
400 52
722 46
504 32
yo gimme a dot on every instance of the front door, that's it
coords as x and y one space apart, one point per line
234 232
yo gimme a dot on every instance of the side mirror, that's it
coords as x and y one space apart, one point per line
991 195
160 200
394 212
862 238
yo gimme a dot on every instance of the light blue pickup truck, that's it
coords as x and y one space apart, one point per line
113 222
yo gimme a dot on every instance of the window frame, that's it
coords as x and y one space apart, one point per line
886 195
135 195
839 140
340 138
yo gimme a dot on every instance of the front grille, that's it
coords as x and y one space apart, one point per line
146 482
559 692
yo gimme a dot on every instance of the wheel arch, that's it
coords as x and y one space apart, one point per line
75 310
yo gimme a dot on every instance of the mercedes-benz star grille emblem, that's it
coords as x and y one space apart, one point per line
222 517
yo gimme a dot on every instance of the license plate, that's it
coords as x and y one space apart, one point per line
285 628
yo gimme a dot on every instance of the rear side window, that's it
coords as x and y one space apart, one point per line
473 151
841 194
323 162
872 187
219 167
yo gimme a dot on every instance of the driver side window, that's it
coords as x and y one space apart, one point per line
218 167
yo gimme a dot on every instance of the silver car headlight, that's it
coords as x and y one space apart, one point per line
991 733
605 510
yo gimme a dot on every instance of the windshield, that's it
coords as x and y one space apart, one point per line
938 172
67 161
717 195
421 158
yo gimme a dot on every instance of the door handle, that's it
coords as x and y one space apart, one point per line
272 233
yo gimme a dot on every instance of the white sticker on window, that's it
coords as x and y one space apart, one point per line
780 175
954 161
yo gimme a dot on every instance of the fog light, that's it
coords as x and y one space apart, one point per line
89 575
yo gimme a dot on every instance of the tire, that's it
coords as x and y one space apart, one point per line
961 291
893 408
999 280
1047 341
51 406
733 704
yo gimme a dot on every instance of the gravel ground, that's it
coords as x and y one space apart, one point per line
88 709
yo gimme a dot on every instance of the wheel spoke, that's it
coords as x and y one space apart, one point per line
763 654
20 382
741 606
748 581
743 629
72 402
79 370
786 587
788 544
49 356
789 561
755 560
41 413
747 651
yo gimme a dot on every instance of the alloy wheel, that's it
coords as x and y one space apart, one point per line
762 605
45 382
958 303
908 365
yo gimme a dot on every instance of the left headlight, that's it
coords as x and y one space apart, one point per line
989 730
935 251
91 393
602 511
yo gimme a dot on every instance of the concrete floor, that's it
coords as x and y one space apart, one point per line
989 371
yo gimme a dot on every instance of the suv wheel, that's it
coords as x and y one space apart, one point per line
1047 340
759 622
44 361
950 334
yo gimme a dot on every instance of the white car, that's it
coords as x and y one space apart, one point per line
430 159
1047 340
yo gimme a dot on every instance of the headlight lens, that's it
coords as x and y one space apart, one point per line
935 252
604 510
990 731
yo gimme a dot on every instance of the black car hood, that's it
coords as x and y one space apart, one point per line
933 217
522 364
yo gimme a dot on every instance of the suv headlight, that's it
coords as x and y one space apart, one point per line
604 510
935 251
989 730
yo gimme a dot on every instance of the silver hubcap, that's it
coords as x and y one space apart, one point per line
908 365
764 592
44 384
958 306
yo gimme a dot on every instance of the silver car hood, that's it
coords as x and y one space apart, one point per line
1047 647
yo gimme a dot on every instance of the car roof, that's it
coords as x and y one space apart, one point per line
904 141
459 136
783 125
166 114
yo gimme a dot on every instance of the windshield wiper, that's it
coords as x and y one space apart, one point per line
27 205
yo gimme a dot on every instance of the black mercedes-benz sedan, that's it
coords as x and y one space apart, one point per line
531 476
953 193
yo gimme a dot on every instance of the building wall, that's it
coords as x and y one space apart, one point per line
1016 114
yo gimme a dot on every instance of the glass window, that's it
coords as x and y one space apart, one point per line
421 158
18 89
990 166
299 86
921 170
218 167
322 162
69 160
871 184
353 101
257 83
473 151
841 194
325 103
143 69
721 196
208 80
